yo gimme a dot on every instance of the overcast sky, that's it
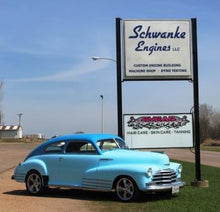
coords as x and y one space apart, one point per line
45 63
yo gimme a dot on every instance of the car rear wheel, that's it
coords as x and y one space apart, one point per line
34 183
127 190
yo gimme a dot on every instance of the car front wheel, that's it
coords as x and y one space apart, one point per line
34 183
126 190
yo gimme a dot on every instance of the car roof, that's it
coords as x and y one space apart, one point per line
91 137
71 137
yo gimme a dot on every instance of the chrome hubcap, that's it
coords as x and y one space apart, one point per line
125 189
34 183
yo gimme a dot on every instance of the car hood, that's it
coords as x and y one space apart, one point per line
133 156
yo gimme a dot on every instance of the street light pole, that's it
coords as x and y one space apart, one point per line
102 113
119 91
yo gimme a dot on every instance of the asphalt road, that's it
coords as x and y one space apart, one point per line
14 153
209 158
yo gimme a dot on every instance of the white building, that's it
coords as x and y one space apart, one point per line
11 131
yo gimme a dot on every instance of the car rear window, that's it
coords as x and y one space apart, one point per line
55 147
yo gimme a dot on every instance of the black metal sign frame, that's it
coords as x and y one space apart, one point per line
195 90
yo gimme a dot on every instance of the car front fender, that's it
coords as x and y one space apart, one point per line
135 171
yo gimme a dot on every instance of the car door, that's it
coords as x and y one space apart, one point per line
51 160
78 164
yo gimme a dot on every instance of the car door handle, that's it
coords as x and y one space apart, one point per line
105 159
61 159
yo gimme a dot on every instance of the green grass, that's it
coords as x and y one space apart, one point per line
11 140
20 140
189 199
210 148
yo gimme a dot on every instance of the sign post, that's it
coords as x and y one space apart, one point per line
118 76
198 181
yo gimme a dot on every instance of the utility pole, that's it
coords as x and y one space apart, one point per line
19 117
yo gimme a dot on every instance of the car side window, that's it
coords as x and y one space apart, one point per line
80 147
88 147
107 144
55 147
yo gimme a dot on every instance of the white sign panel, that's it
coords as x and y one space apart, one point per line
157 49
158 130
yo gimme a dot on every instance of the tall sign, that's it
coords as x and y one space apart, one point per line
157 50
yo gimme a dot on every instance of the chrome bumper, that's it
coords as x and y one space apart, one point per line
163 187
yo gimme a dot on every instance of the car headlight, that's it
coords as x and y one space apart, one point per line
180 168
149 172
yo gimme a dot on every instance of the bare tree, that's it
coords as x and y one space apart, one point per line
215 126
205 116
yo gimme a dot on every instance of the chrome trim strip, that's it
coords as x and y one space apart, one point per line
89 184
80 188
97 184
18 177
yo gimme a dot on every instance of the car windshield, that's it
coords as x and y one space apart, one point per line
113 143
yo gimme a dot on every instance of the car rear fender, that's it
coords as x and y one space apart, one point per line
35 164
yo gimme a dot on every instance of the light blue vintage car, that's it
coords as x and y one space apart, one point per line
97 162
